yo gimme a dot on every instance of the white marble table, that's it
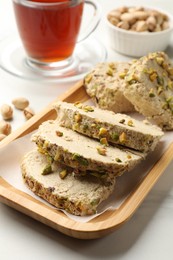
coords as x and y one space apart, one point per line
147 235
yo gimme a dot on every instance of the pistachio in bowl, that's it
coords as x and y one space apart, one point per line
136 31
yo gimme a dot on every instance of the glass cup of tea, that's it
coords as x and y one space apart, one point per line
49 31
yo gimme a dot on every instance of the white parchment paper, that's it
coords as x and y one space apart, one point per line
11 155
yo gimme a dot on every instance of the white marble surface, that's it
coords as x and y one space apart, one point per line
147 235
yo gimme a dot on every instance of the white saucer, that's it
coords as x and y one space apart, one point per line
86 55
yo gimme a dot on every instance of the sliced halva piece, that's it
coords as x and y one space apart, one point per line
81 152
149 86
104 85
107 126
77 195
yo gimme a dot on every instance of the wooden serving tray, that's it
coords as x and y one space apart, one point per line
98 227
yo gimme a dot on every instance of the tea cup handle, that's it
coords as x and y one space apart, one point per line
94 21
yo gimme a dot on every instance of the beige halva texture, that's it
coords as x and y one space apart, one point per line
76 172
104 85
75 194
149 87
80 154
107 126
144 85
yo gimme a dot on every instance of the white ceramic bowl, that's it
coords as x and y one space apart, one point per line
138 44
